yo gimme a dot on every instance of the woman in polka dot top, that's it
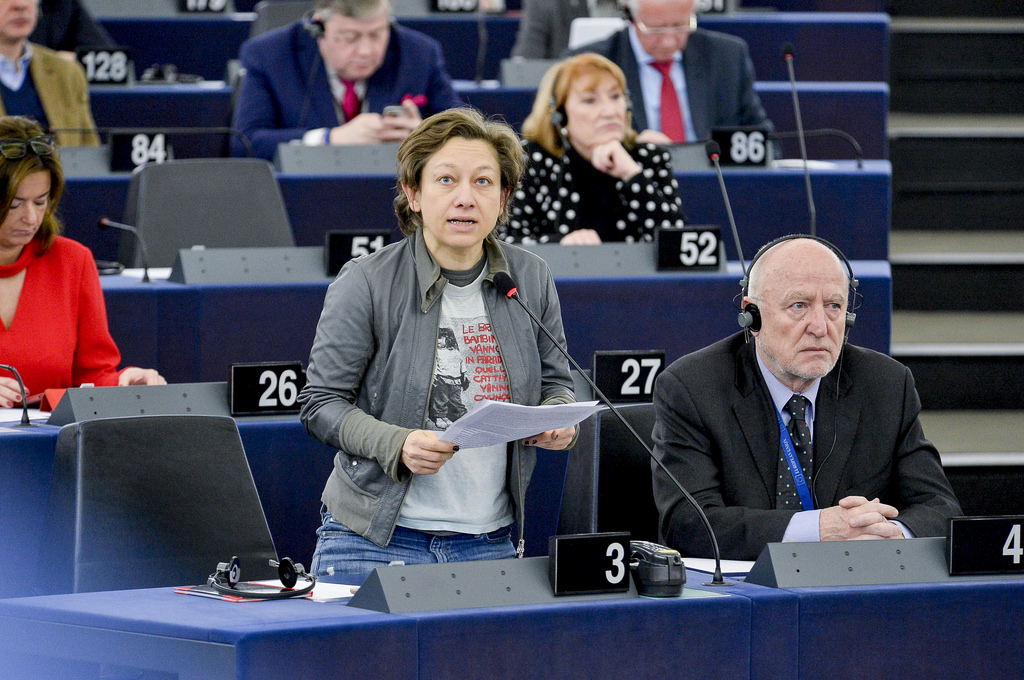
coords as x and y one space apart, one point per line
588 180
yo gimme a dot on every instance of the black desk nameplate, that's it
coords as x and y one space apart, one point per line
266 388
462 585
342 246
584 564
986 545
91 403
130 150
627 376
106 65
743 146
695 248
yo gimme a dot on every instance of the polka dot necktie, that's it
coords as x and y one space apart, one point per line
786 497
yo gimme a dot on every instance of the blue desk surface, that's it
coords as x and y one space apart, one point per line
697 636
814 36
854 206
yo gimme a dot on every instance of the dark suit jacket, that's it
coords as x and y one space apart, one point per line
719 80
544 27
717 433
285 91
65 25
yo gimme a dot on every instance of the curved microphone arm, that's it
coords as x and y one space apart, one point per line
507 287
826 132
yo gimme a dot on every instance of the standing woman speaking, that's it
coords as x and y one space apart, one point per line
416 334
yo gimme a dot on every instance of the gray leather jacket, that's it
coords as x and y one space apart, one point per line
370 370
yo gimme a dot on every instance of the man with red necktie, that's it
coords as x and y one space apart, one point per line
328 78
683 80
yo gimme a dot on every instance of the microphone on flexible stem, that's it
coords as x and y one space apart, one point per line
714 154
106 223
787 55
507 287
24 395
481 51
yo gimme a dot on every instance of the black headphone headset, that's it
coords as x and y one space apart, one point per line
226 580
313 24
749 317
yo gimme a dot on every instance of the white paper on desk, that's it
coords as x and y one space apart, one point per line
497 422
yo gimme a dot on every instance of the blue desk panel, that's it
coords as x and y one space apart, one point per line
698 636
193 333
860 109
814 36
959 630
853 206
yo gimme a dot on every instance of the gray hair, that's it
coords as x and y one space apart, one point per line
353 9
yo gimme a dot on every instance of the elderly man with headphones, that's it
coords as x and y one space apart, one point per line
344 74
786 432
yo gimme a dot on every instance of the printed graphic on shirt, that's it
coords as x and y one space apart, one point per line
468 370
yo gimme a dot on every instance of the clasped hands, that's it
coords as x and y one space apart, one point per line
424 454
857 518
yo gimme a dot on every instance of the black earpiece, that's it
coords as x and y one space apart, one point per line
313 24
750 318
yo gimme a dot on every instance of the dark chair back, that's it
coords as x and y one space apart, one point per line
211 202
149 501
608 479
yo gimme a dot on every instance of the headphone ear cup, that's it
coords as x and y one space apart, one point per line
314 25
287 573
750 318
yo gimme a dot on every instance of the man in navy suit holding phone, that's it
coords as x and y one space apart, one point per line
336 77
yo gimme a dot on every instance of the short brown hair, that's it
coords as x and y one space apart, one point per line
14 172
554 90
433 133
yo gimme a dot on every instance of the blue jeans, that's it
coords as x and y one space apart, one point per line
339 550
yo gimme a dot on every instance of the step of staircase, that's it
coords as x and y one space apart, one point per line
967 65
955 8
957 171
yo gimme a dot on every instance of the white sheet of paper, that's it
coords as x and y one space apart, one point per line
497 422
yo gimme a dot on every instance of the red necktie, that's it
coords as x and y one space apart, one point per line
671 115
350 104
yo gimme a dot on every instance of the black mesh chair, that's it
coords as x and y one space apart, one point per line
150 501
211 202
608 478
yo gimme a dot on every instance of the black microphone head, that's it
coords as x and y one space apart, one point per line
506 286
712 149
787 51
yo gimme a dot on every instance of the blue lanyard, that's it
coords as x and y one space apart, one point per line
794 465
